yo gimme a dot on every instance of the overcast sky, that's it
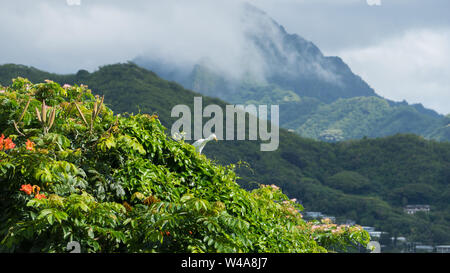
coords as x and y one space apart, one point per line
400 47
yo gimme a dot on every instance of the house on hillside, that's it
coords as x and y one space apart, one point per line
319 215
314 214
368 229
398 239
424 249
376 234
443 249
373 233
412 209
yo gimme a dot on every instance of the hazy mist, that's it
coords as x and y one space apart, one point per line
57 37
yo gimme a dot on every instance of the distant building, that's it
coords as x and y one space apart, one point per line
368 229
424 248
376 234
373 233
443 249
411 209
319 215
399 239
314 214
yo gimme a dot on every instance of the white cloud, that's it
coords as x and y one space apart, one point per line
414 66
54 36
73 2
58 38
374 2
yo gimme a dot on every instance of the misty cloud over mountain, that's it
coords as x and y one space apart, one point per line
224 36
267 54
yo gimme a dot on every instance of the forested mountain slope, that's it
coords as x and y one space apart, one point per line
319 96
367 180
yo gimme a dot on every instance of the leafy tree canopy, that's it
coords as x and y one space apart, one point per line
71 170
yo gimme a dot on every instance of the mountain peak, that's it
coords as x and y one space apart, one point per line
271 55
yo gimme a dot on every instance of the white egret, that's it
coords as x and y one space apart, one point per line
200 144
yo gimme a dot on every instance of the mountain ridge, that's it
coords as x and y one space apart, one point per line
291 68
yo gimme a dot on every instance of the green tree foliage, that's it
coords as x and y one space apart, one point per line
302 167
372 117
349 182
118 183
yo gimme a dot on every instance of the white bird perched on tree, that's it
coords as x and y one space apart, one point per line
200 144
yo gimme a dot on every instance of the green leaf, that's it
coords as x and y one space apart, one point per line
44 213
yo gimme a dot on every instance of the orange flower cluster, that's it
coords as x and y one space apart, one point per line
167 233
6 144
30 145
28 189
40 196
